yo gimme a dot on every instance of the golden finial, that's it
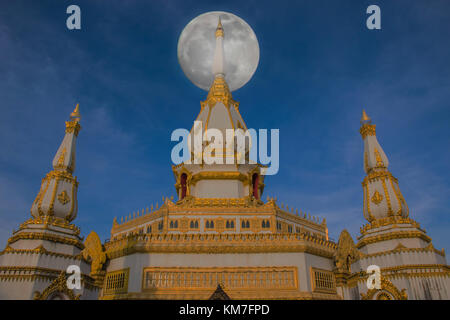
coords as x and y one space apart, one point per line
75 115
365 117
219 29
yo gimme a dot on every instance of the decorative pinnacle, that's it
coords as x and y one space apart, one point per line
367 128
365 118
75 115
219 29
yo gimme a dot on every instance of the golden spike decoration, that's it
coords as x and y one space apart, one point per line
75 115
365 117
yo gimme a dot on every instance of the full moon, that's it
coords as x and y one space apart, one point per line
196 47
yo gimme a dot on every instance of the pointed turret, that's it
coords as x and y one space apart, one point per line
226 114
218 62
58 194
382 195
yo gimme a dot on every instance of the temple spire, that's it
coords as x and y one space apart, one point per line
219 90
382 195
58 193
65 156
218 62
374 156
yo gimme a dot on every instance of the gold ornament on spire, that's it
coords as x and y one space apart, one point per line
75 115
367 128
365 117
380 163
73 125
62 158
219 29
219 91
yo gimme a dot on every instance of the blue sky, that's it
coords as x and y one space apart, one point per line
319 66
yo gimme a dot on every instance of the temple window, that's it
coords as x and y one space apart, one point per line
191 225
209 224
245 224
149 229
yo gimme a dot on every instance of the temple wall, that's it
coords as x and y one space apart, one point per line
138 261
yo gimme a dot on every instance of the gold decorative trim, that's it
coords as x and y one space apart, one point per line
52 199
73 127
366 161
388 200
39 250
238 295
391 236
367 130
382 222
57 287
193 202
45 236
380 163
35 273
429 248
232 278
387 290
218 175
219 243
41 195
54 221
404 271
219 91
62 156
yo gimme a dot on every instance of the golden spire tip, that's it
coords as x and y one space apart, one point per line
219 29
365 117
76 113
